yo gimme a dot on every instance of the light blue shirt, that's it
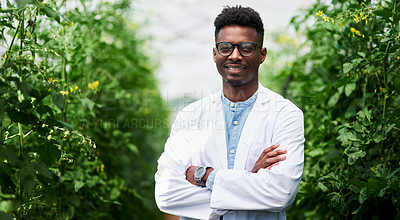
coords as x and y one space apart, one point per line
235 117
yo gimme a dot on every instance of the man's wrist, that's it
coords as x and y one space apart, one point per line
208 171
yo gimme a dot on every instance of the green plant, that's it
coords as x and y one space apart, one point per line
348 85
73 87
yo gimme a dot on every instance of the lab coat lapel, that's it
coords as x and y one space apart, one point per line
251 125
218 130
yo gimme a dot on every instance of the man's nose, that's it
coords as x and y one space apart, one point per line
235 55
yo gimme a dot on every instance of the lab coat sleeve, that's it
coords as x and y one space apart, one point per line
270 190
174 194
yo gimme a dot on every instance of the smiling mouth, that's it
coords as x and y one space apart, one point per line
235 67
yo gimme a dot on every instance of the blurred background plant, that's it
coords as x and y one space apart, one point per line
82 120
346 80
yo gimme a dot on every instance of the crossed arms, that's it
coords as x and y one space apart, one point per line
269 157
264 185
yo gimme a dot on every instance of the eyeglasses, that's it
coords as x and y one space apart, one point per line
246 49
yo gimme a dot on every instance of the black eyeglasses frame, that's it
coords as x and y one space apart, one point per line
238 46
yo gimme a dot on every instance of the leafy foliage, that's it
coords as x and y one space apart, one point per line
81 117
347 84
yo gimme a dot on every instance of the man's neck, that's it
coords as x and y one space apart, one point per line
239 93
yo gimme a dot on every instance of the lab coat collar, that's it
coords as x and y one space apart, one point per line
253 121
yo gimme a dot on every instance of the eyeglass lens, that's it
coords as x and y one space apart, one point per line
245 48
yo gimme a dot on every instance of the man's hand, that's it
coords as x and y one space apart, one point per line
269 158
190 175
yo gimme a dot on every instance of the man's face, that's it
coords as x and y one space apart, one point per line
235 69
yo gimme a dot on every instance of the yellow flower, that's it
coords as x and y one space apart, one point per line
71 89
363 17
64 93
333 21
357 76
319 13
76 87
356 32
375 90
94 146
93 85
326 18
356 18
51 80
102 168
347 74
372 169
398 58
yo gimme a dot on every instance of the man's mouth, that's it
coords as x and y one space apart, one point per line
235 67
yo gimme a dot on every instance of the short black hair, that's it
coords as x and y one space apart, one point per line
239 15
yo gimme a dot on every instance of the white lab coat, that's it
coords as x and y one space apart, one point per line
198 138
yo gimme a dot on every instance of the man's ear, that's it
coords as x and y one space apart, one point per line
215 54
263 54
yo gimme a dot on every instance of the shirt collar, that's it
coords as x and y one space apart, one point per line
247 103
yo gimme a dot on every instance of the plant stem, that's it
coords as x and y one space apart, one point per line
22 33
21 149
21 140
12 43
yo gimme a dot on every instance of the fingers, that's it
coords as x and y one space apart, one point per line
275 153
273 160
269 158
266 151
269 167
269 149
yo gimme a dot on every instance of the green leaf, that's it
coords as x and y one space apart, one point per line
49 153
6 206
115 193
27 174
393 173
17 116
347 136
334 99
382 191
362 54
43 170
349 89
22 3
51 13
58 100
383 12
134 149
87 103
365 114
4 23
25 88
68 126
78 185
363 195
347 67
353 157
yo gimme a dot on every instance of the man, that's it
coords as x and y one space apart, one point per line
217 163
